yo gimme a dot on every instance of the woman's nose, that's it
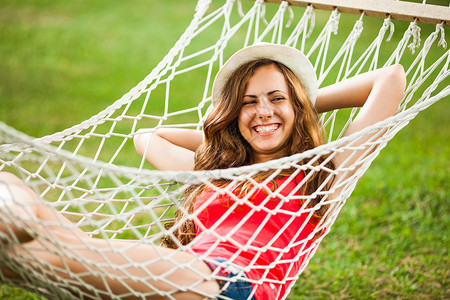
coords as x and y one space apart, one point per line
264 110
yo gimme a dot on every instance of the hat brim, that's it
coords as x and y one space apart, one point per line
291 57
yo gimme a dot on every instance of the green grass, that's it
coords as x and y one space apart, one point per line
63 62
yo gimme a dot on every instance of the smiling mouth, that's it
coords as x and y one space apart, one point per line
266 128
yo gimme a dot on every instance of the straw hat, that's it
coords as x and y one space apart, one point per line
292 58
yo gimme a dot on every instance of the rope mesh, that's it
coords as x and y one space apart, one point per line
81 171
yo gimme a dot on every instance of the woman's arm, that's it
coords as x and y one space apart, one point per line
169 148
378 93
382 88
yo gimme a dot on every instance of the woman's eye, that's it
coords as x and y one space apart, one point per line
246 102
278 98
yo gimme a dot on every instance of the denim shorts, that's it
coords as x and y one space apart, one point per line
238 287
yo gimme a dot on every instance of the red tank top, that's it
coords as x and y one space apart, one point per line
265 233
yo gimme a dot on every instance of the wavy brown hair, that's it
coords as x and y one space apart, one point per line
224 146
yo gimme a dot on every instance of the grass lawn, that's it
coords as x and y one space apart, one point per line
62 62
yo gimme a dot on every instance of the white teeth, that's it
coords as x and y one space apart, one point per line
264 129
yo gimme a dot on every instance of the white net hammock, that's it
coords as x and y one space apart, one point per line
81 171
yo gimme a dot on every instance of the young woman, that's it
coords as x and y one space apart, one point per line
265 105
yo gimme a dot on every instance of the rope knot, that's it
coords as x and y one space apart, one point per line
414 31
334 21
442 41
291 16
311 16
263 12
387 22
356 31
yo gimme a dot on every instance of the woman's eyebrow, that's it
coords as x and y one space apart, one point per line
275 91
268 94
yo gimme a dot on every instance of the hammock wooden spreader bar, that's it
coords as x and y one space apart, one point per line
397 10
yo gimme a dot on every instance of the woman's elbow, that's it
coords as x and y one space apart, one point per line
140 141
397 77
392 84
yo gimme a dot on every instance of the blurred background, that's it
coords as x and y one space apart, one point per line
62 62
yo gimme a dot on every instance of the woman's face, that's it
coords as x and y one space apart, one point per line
266 118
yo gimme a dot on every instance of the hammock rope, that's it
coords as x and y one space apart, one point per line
83 171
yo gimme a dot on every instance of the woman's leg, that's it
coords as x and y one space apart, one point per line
111 266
